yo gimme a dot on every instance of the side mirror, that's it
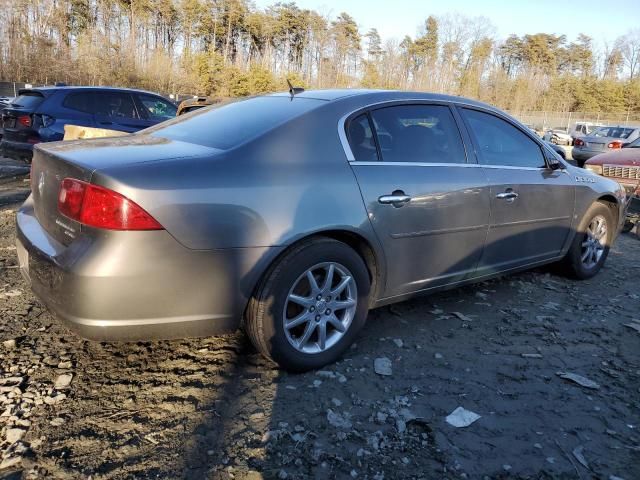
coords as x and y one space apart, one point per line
555 164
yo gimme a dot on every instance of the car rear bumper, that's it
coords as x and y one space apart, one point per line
16 150
122 286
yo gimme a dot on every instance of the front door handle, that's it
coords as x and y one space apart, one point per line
509 195
397 199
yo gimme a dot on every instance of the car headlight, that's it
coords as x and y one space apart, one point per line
594 168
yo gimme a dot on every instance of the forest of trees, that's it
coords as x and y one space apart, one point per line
231 48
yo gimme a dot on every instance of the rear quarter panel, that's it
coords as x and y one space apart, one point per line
284 186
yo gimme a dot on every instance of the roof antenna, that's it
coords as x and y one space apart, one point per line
293 91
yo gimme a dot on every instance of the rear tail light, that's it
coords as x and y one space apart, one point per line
578 143
100 207
615 144
24 120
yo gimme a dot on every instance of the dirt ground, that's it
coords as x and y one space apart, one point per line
212 408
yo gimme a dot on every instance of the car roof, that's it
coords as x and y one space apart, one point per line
375 96
50 90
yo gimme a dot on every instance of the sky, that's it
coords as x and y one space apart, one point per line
603 21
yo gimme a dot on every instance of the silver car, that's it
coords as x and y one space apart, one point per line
602 140
292 215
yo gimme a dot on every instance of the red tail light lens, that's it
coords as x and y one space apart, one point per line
615 144
24 120
100 207
578 143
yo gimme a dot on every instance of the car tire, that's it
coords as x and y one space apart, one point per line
590 246
298 347
628 226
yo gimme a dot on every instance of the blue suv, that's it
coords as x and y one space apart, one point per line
40 114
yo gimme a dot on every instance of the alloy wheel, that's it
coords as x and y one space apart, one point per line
594 240
320 307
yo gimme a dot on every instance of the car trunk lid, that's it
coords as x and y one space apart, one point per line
595 144
79 159
47 172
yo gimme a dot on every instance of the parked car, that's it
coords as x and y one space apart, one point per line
40 114
622 165
603 139
557 136
195 103
293 215
582 129
4 101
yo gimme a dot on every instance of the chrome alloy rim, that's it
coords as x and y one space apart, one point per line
320 307
594 241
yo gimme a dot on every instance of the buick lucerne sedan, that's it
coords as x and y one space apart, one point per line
291 215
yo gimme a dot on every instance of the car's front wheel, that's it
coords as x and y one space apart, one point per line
590 247
310 306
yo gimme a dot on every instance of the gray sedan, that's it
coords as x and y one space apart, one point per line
602 140
291 215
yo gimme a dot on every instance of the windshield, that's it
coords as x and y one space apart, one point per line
614 132
228 125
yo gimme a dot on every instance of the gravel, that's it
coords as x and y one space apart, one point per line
213 408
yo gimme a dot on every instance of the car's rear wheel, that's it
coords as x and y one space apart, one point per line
590 247
310 305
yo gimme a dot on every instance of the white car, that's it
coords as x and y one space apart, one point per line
558 137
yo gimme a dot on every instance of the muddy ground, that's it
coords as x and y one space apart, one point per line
212 408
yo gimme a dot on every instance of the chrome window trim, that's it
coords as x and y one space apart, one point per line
342 133
458 165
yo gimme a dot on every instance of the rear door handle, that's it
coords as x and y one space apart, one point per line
509 195
396 199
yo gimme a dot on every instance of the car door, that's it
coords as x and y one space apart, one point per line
428 206
532 204
116 110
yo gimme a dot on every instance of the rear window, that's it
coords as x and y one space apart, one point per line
228 125
28 100
615 132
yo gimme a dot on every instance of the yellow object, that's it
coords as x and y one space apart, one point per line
75 132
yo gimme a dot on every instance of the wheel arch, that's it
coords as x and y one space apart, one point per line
608 198
372 257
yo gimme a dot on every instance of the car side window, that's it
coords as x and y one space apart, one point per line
80 101
113 104
501 143
419 134
361 141
156 108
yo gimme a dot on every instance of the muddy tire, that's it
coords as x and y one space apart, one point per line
591 244
310 305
